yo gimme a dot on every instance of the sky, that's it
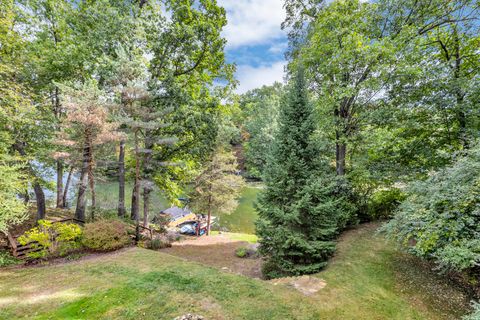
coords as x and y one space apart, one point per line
255 41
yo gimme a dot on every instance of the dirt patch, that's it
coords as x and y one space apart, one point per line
213 252
307 285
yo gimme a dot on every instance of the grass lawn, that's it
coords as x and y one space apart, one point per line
362 283
246 237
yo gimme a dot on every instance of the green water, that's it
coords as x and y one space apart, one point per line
241 220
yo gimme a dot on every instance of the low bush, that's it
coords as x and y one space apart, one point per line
475 315
6 259
241 252
105 235
383 203
159 243
51 239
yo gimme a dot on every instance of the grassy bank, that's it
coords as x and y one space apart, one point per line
362 283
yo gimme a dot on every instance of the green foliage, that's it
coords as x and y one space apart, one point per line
241 252
12 210
383 203
105 235
6 259
218 187
260 112
303 206
159 243
51 239
475 315
439 220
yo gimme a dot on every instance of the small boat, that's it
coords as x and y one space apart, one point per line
177 216
196 227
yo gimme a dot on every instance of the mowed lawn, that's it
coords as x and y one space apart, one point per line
135 283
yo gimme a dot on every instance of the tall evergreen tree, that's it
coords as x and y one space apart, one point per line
301 210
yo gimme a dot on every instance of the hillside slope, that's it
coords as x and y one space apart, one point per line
362 283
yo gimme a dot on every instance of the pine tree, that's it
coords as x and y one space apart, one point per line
218 186
301 208
86 127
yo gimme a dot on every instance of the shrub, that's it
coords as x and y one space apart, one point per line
6 259
51 239
475 315
159 243
105 235
383 203
440 218
241 252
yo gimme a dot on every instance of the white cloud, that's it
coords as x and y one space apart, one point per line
252 21
278 47
255 77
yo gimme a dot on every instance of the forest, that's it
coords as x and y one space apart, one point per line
139 174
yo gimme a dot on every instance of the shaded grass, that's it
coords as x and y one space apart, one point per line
362 283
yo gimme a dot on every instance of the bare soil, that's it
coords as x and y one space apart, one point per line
219 252
307 285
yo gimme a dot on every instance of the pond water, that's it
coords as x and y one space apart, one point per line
241 220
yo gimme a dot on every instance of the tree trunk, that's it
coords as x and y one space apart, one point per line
91 180
133 213
39 195
146 204
147 188
208 221
82 190
60 184
121 180
67 185
136 190
26 197
209 212
40 198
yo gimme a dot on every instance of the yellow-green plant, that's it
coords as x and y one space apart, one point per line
50 239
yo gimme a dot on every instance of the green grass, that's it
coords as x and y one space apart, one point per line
251 238
362 283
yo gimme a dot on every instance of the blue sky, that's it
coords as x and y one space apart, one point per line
255 41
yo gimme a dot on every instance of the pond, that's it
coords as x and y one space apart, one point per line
241 220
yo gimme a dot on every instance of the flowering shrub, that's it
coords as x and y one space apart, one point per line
50 239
